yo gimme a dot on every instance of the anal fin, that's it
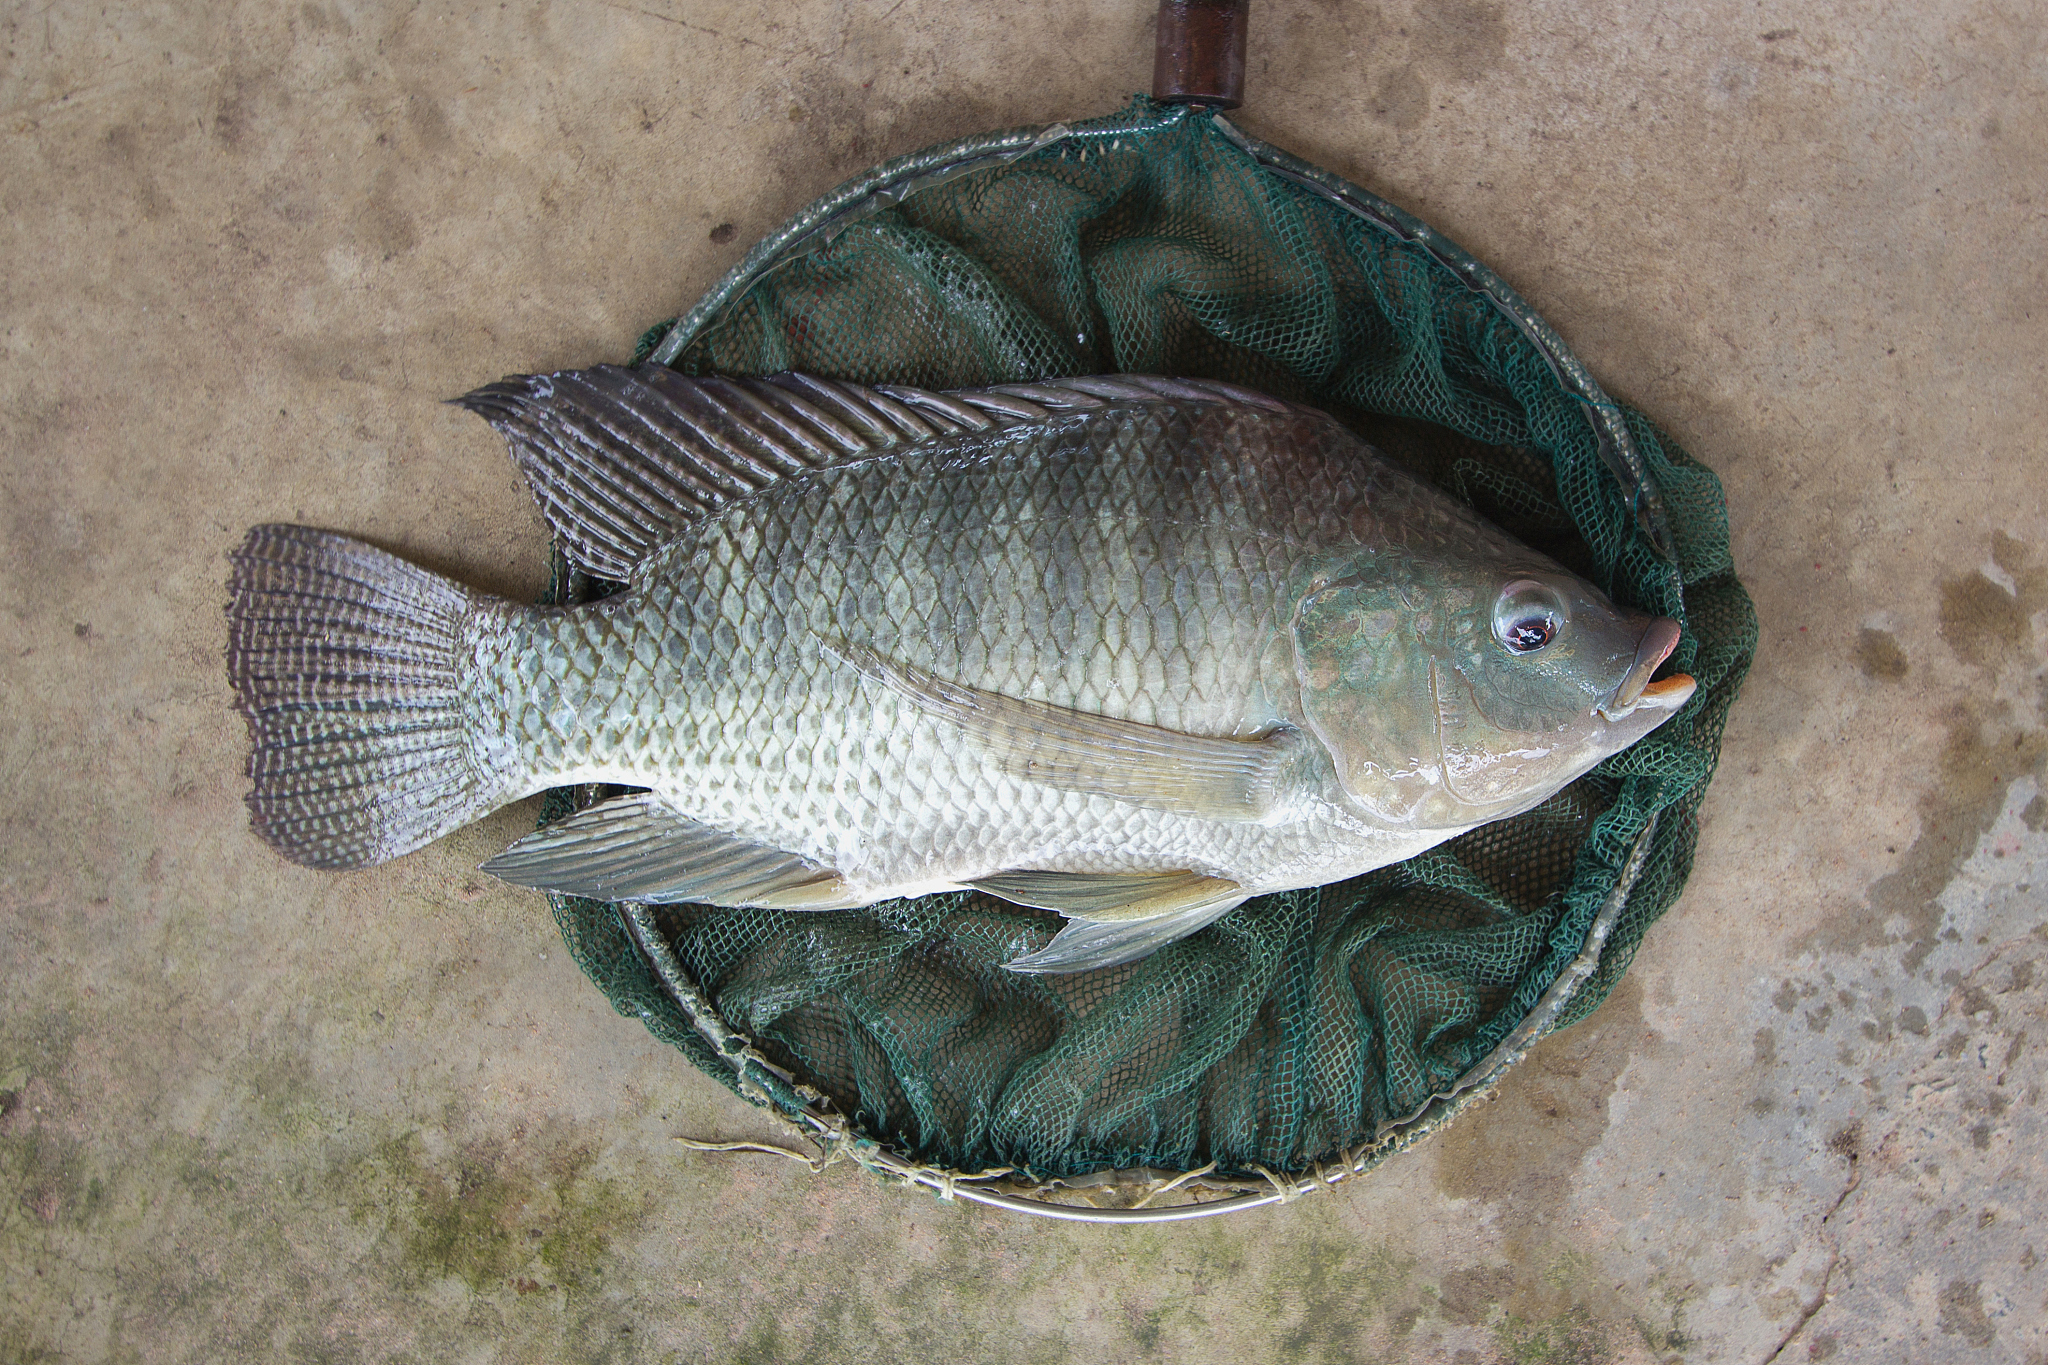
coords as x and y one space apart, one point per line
637 848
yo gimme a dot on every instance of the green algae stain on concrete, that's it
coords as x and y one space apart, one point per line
1569 1338
466 1223
46 1170
47 1174
286 1101
1563 1314
1328 1291
496 1217
1667 1336
37 1045
763 1346
1467 1297
840 1326
844 1325
18 1346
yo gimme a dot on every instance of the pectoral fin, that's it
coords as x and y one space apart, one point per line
1200 775
637 848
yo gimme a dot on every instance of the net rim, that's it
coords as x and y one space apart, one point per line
811 1113
760 1081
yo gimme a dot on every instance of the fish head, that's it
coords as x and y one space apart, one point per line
1452 691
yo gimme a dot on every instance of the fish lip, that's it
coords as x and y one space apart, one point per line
1636 689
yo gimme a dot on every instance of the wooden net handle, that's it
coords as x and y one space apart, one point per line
1200 55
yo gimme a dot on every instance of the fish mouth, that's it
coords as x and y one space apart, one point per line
1636 690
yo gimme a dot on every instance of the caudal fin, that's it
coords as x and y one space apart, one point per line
344 660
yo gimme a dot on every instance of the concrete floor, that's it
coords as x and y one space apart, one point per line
253 1112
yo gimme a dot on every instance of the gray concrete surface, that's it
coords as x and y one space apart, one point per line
252 1112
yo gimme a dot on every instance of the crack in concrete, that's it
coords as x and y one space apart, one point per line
1807 1311
1855 1179
739 38
1820 1298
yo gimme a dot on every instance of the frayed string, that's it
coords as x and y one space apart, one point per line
816 1164
1283 1187
840 1145
1174 1184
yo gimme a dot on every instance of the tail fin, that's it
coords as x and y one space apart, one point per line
344 662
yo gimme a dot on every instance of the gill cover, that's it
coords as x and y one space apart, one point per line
1368 691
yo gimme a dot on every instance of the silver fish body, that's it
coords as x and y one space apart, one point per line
1133 652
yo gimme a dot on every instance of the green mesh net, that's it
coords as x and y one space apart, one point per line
1163 241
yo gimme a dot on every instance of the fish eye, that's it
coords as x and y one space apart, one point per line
1527 616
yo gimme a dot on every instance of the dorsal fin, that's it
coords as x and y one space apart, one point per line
622 460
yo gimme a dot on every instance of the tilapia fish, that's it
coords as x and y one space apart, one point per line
1128 649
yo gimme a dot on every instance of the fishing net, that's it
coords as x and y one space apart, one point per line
1314 1027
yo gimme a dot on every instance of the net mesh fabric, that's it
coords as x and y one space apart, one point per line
1297 1026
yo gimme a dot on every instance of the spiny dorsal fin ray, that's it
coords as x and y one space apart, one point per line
622 460
637 848
1210 777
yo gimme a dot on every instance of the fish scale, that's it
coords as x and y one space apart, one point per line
830 558
1134 648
